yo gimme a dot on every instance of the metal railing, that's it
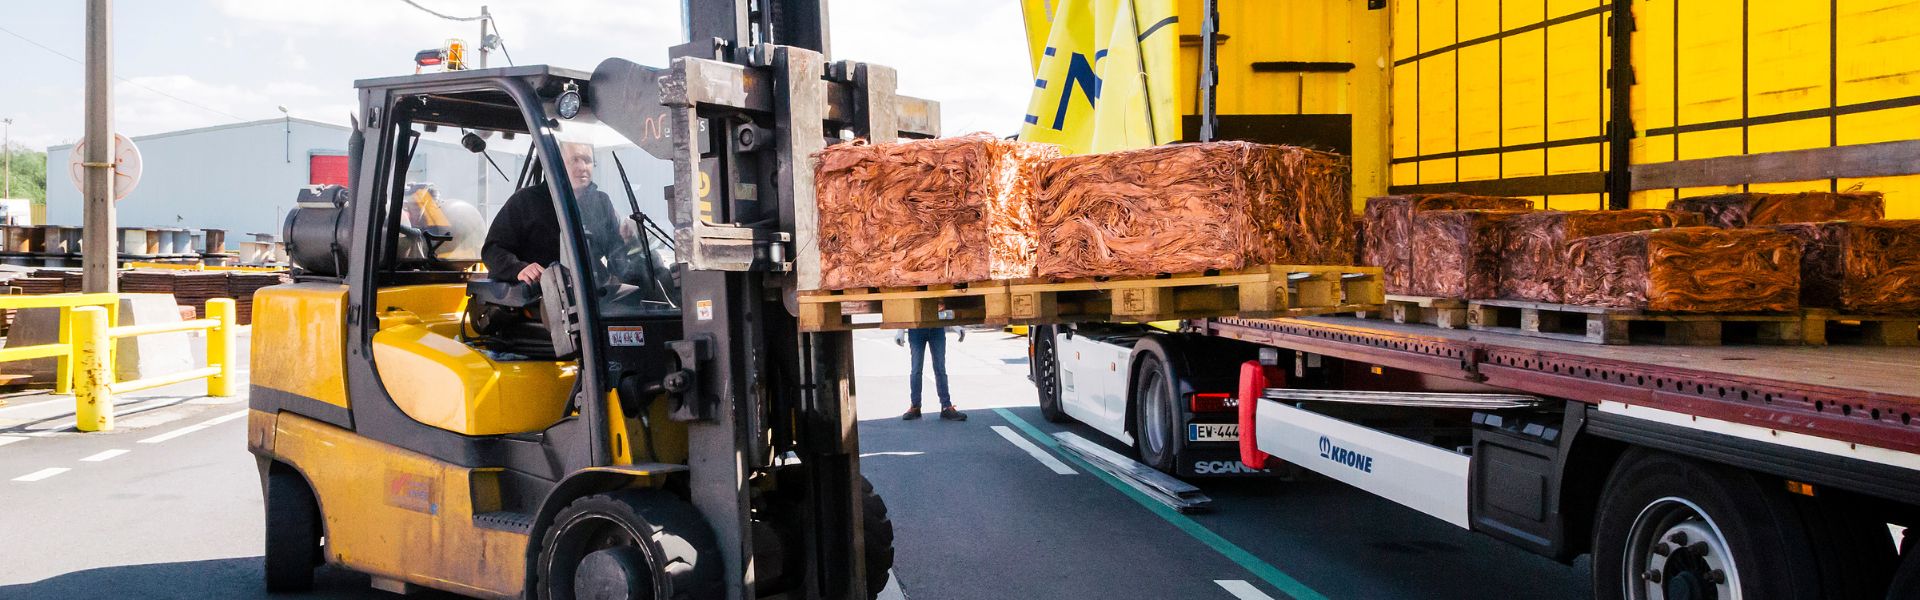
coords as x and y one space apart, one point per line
84 352
62 349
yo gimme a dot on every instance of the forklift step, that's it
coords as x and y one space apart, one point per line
501 520
1176 494
1412 399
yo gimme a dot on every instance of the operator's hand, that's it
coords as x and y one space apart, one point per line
531 274
629 231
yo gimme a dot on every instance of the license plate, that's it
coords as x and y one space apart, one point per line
1213 432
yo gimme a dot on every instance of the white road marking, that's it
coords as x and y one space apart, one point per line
892 591
42 474
1242 590
222 419
8 439
1043 456
173 434
892 453
104 455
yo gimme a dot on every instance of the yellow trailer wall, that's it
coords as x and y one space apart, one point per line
1511 97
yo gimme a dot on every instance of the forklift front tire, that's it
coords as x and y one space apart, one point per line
642 544
293 533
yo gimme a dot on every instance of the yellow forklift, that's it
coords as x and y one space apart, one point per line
647 420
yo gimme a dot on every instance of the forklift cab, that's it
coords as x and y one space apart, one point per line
477 353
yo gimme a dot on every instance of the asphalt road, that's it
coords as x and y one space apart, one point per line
168 506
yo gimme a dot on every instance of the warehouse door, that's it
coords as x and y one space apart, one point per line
1505 97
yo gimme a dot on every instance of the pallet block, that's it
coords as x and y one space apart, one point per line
1445 313
1825 326
1615 326
905 307
1260 292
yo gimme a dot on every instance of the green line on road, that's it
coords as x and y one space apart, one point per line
1266 572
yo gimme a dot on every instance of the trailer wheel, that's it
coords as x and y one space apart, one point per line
878 530
293 532
1154 424
1046 373
628 544
1671 528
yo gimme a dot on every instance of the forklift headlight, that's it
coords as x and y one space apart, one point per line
568 104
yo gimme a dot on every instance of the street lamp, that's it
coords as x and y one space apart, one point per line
289 135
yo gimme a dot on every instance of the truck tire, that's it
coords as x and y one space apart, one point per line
1155 418
1046 374
629 544
1697 530
293 532
877 528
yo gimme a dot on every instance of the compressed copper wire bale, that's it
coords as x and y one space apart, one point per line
1859 267
1686 269
926 212
1389 226
1760 210
1535 262
1456 253
1193 207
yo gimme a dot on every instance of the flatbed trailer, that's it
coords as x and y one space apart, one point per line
1797 466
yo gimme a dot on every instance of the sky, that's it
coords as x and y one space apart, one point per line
192 63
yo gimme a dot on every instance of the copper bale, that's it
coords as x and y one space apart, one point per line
1859 267
1535 262
1193 207
1456 253
1389 226
926 212
1686 269
1760 210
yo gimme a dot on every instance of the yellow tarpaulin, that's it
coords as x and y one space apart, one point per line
1103 74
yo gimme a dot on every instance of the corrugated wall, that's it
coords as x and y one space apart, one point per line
1511 97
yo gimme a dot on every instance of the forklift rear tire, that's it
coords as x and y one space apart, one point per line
878 528
293 533
639 544
1046 374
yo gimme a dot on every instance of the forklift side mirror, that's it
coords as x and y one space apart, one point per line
558 312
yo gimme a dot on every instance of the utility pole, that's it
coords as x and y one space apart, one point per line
480 165
288 117
7 146
98 253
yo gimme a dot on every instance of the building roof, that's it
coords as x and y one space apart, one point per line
155 136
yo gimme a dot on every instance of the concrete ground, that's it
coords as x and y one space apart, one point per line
168 506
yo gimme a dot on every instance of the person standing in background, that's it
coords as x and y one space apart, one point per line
920 341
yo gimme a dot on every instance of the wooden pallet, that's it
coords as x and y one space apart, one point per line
904 307
1445 313
1825 326
1601 325
1259 292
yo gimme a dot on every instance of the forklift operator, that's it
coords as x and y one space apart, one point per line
525 236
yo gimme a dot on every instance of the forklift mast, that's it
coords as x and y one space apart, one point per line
739 112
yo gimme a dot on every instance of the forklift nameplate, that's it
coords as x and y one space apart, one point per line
412 491
627 336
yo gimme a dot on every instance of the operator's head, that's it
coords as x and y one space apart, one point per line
579 160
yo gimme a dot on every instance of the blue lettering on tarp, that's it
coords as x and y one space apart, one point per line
1081 75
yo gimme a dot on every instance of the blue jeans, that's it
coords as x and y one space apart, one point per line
920 341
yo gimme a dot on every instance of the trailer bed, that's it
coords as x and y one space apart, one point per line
1856 394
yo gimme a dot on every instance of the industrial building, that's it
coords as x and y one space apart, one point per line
242 177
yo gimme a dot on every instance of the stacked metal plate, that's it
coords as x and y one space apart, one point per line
194 288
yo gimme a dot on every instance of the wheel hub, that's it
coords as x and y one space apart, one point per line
617 573
1679 554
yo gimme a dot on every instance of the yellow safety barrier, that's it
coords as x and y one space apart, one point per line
94 378
62 350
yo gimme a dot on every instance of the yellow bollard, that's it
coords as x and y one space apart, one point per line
220 345
92 370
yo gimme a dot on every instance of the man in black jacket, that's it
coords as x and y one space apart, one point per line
525 236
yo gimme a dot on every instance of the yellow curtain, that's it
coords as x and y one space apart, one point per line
1103 73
